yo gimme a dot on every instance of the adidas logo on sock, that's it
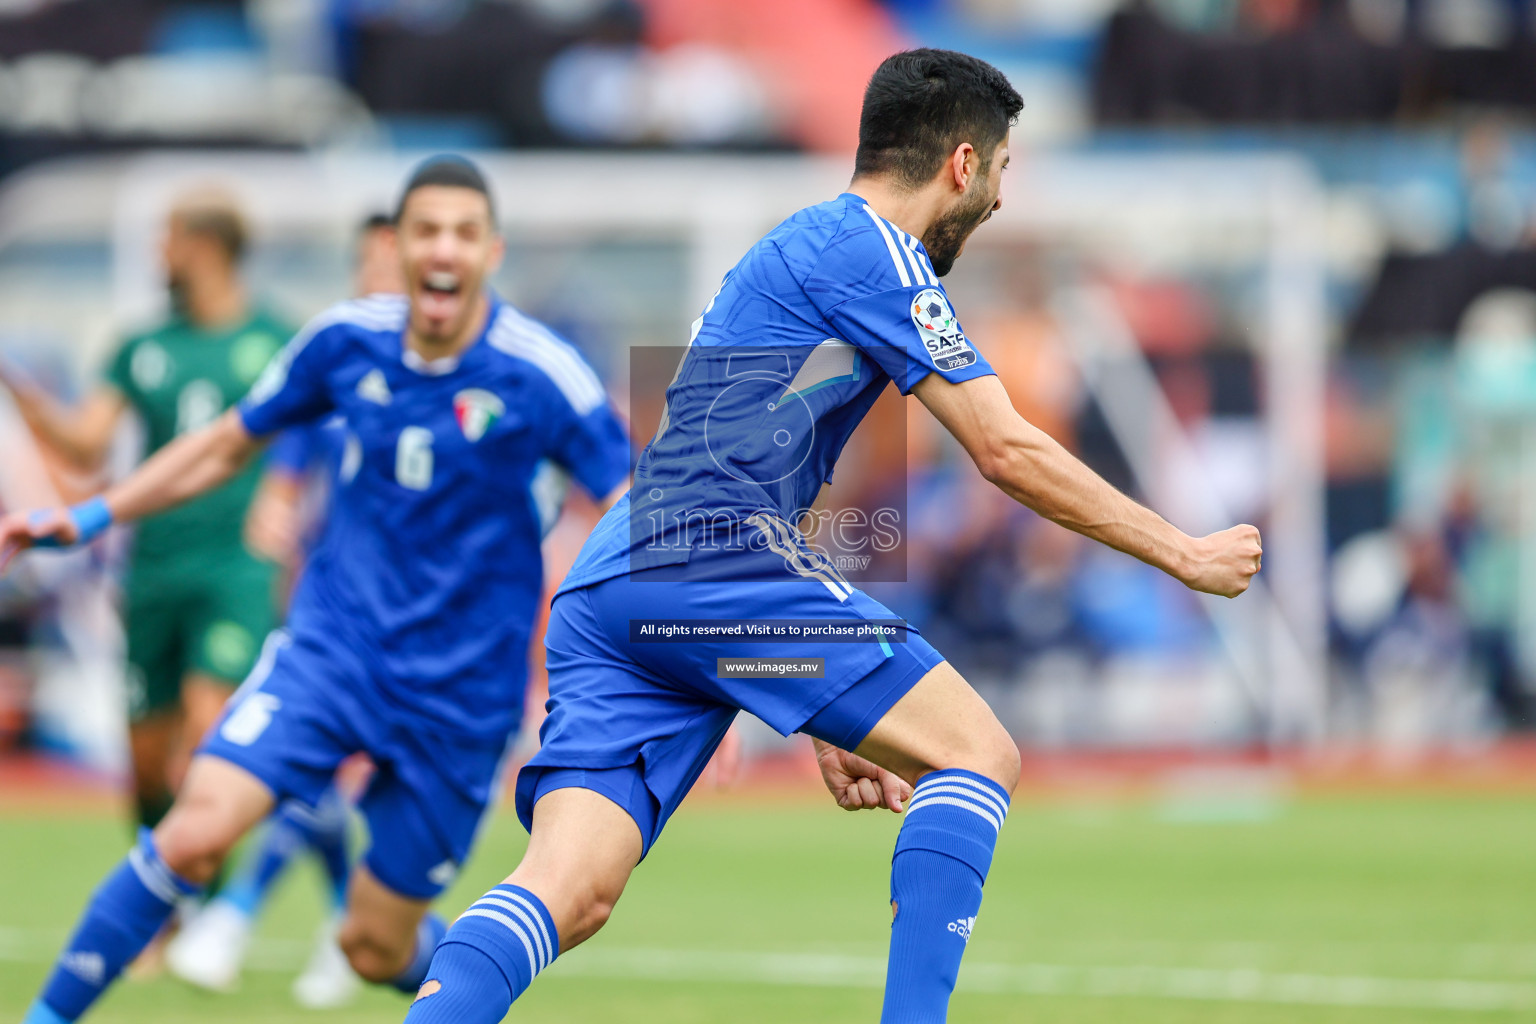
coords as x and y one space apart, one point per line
963 927
88 967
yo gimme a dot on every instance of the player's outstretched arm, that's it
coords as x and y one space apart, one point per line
83 433
1034 470
857 784
188 466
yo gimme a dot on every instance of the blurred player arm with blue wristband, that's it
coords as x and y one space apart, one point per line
189 466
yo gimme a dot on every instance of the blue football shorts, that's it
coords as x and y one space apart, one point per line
638 721
304 710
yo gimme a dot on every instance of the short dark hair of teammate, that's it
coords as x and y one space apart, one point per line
449 172
376 265
921 104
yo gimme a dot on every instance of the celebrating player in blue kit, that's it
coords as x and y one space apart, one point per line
407 636
813 323
285 521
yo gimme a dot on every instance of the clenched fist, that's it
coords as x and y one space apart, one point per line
857 784
1224 563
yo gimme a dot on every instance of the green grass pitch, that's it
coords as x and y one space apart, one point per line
1377 908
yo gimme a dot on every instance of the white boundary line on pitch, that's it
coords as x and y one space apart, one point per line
1239 986
834 971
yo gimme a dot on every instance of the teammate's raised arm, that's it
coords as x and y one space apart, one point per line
191 465
1032 468
187 467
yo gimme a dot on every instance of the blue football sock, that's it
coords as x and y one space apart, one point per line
293 828
125 913
428 934
280 842
941 861
489 957
330 840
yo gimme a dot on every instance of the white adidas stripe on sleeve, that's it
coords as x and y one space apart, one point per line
518 336
890 245
920 262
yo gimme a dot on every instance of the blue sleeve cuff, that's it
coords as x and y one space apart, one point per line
250 419
290 453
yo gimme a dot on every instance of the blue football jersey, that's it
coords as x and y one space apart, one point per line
429 566
789 356
309 448
313 452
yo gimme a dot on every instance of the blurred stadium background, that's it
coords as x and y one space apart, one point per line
1260 260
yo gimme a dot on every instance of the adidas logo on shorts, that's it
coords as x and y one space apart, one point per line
443 874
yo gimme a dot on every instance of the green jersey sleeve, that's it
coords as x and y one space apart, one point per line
119 371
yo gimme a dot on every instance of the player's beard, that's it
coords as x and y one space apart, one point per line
946 236
176 288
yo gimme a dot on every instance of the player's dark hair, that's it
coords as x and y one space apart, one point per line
921 104
375 221
449 171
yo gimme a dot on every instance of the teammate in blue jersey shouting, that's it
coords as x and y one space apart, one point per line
814 322
408 633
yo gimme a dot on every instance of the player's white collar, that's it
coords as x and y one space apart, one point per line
414 360
444 365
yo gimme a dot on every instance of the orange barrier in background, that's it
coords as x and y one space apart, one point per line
31 784
816 56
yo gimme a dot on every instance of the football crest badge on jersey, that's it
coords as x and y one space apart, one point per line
149 366
942 337
476 410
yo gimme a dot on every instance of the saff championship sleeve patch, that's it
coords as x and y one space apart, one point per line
942 338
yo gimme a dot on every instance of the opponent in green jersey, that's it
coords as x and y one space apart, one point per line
197 604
